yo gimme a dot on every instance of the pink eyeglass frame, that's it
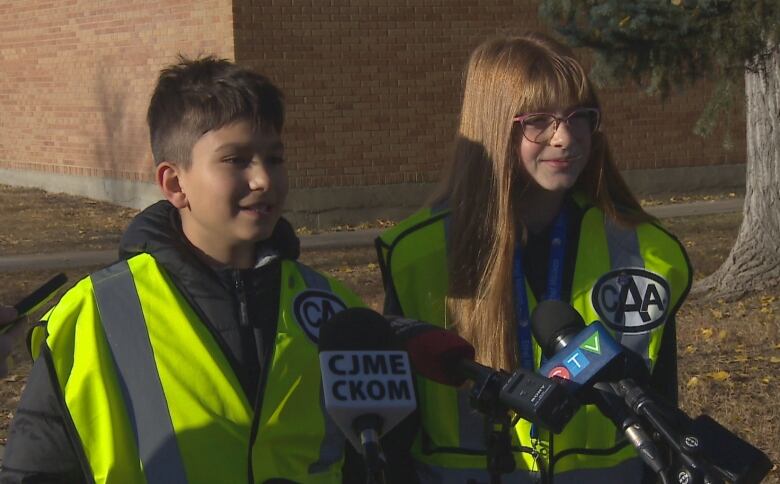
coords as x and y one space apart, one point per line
522 117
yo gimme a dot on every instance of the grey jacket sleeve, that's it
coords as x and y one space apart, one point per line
42 444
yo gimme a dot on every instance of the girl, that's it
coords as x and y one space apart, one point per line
532 208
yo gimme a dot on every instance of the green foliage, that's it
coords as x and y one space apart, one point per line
664 43
717 109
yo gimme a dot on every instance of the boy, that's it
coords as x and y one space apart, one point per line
194 358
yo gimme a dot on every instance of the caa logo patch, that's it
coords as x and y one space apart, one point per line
631 300
311 308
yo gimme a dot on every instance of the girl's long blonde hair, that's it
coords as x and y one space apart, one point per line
505 77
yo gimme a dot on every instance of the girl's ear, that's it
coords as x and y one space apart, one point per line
168 176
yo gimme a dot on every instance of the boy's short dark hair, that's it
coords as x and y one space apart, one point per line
195 96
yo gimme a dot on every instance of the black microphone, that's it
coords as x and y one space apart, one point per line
590 358
587 356
368 386
444 357
579 354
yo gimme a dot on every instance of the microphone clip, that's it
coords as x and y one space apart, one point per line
484 397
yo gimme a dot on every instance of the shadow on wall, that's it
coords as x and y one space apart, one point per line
119 141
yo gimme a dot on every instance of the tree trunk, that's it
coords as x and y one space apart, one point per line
754 261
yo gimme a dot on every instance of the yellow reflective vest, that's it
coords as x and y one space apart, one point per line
644 266
153 398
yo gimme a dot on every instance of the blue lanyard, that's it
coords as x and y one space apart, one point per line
554 286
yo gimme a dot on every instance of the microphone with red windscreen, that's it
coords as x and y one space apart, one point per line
436 354
444 357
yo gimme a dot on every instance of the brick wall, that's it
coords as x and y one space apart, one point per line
373 88
646 133
76 76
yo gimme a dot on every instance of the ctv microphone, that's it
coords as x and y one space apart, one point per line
368 387
585 356
444 357
702 450
579 354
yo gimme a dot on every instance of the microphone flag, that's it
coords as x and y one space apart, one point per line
584 357
358 383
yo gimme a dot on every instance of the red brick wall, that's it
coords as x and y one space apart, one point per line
373 88
645 132
76 76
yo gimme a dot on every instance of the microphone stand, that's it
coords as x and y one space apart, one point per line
499 446
608 400
498 442
690 469
367 427
693 449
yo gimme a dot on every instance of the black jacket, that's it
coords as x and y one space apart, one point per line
43 445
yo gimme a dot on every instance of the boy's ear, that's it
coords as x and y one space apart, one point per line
168 178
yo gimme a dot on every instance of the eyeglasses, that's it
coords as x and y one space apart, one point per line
541 127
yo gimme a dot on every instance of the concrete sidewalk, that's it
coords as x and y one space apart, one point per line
327 240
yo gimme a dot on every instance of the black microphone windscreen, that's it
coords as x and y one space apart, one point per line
355 329
552 320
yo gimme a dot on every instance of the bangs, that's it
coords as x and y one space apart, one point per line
555 82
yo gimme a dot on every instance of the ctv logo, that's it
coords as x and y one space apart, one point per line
631 300
578 360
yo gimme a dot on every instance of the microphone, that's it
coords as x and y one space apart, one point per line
579 354
367 386
588 357
444 357
584 357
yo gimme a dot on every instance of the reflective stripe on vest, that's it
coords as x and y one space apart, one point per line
623 245
332 446
414 260
127 336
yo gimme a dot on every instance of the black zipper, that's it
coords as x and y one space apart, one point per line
258 409
243 321
239 287
257 405
238 282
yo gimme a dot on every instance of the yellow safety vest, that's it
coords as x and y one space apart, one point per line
450 447
154 399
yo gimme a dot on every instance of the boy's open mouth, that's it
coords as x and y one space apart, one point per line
261 208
